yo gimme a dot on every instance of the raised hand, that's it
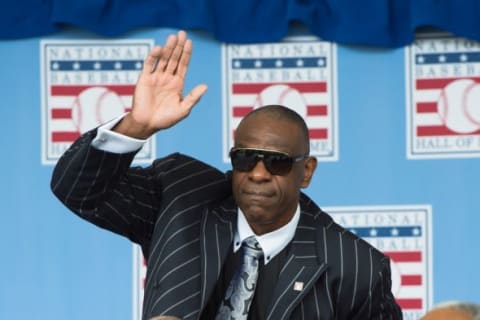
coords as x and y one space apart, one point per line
158 101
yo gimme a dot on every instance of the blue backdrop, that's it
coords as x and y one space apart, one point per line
56 266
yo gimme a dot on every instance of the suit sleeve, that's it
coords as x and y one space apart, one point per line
380 304
101 187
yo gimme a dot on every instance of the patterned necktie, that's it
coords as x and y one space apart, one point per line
239 294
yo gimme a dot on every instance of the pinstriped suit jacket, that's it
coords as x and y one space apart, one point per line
182 214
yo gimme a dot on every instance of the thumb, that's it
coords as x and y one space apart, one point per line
193 97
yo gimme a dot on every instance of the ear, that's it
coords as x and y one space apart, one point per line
308 170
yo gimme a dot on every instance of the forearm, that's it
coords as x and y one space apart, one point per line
89 182
83 172
102 188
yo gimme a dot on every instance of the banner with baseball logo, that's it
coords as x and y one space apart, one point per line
85 84
299 73
443 90
404 233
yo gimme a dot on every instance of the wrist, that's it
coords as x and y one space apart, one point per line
131 128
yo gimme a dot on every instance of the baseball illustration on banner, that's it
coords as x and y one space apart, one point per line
458 106
472 103
283 95
94 106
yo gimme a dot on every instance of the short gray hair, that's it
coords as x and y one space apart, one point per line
471 308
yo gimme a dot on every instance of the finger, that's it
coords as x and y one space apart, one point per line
167 50
193 97
185 59
151 61
177 52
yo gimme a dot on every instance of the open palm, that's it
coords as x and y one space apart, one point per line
158 101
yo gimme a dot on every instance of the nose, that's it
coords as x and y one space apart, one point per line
260 172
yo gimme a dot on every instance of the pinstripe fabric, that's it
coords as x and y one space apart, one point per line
181 212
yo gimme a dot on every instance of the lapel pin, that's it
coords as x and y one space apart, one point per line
298 286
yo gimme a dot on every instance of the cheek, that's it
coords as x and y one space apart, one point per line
289 187
237 178
299 178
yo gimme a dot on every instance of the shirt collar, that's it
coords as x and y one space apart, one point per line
273 242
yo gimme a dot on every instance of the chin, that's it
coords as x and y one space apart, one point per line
260 220
257 216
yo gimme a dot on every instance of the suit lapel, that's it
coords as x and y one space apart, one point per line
303 267
218 228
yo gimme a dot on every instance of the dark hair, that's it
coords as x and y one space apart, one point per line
279 112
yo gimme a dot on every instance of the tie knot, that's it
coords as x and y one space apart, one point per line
252 247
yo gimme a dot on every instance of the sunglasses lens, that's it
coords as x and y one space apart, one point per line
276 163
243 160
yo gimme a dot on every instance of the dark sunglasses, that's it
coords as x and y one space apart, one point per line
277 163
